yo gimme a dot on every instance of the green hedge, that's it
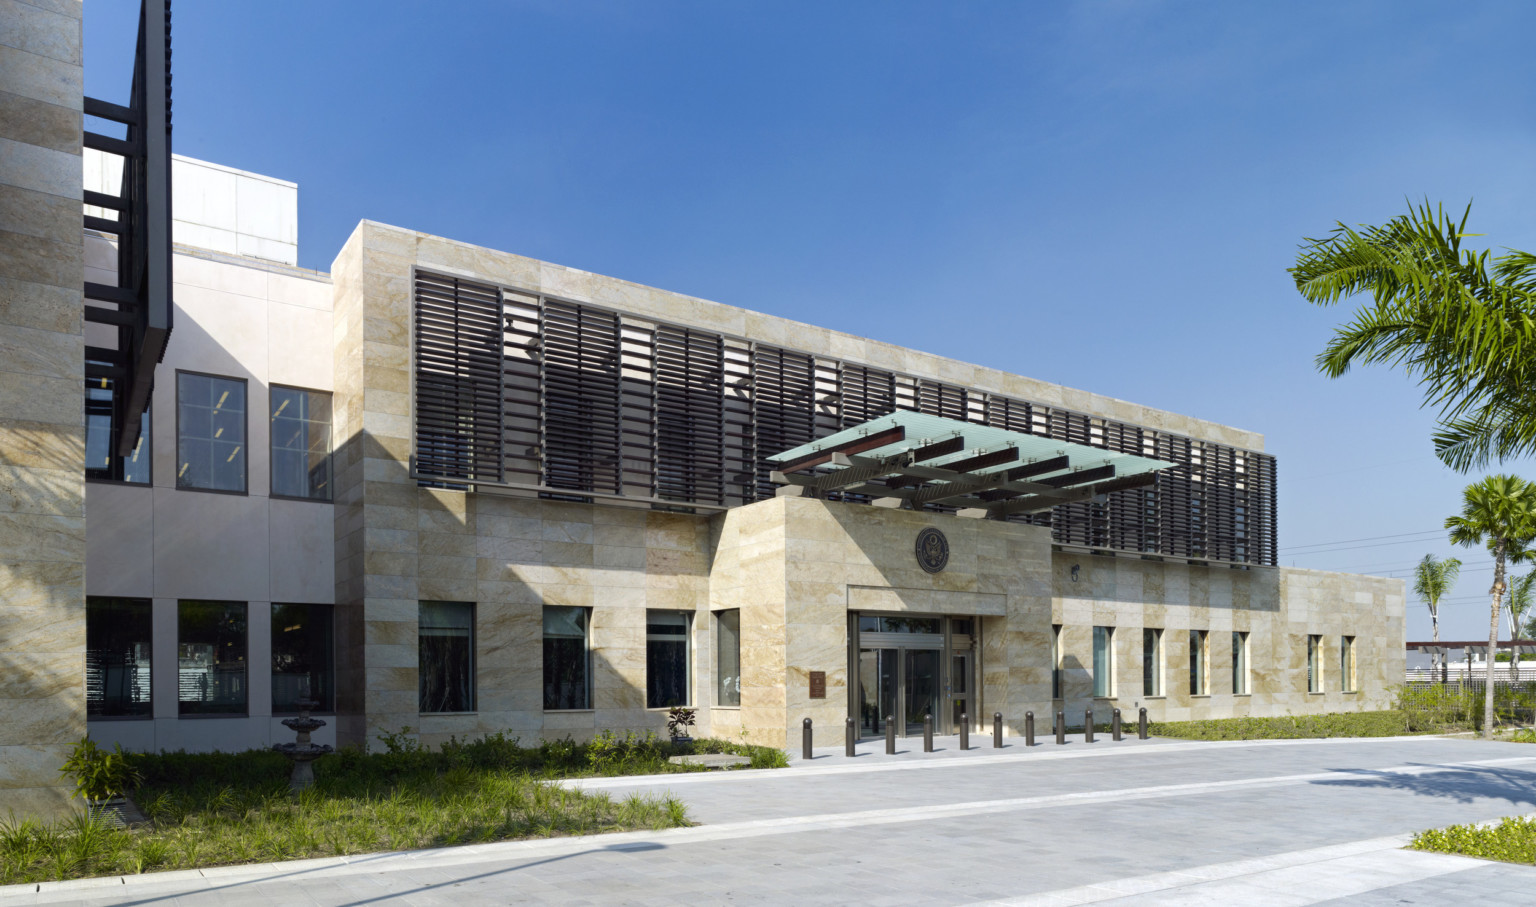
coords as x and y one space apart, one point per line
1343 724
1512 840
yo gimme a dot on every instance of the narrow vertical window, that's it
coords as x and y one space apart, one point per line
210 433
1056 661
301 657
301 443
102 432
728 658
567 665
446 657
1314 664
210 654
1151 662
1240 663
1103 662
1199 684
1347 664
666 659
117 658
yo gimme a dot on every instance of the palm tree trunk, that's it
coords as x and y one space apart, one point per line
1497 593
1434 623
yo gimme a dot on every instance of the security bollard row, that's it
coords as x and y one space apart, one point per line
851 731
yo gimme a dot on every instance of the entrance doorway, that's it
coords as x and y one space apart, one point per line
910 666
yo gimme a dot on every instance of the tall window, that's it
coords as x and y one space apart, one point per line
728 658
1151 662
117 650
210 655
567 664
301 443
210 433
301 657
1103 661
666 659
1056 661
1347 664
101 436
445 659
1314 664
1199 682
1240 663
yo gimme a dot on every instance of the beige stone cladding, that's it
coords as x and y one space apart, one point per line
391 251
1277 607
798 567
42 371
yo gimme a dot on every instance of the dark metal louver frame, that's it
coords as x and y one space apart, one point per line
616 405
139 304
458 373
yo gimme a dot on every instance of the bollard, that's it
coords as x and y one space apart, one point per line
1114 727
928 732
805 740
1061 726
1141 725
997 730
965 732
890 735
851 736
1087 725
1029 729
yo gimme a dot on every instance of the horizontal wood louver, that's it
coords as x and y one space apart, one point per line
570 398
458 371
581 432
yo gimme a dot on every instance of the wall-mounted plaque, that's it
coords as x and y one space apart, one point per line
932 550
818 684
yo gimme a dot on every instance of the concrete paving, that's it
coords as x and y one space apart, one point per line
1159 821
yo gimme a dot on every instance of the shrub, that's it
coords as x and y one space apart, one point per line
1512 840
99 775
1341 724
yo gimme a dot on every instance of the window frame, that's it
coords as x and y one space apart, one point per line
719 678
473 668
1241 669
1348 682
1155 674
586 654
330 610
118 600
114 431
330 448
246 462
181 704
1315 664
1104 675
688 670
1199 663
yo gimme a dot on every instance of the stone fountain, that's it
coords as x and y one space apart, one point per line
302 752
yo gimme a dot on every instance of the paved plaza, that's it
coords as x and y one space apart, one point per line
1155 822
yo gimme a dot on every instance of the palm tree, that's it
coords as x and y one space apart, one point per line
1499 512
1466 331
1519 606
1432 579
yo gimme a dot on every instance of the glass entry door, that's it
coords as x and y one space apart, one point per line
877 689
960 690
909 666
920 688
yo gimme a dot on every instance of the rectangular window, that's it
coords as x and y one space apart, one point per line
1056 661
210 658
446 657
1103 661
567 663
301 658
728 658
1314 664
1199 682
117 650
1151 662
102 432
1240 663
666 659
301 443
1347 664
210 433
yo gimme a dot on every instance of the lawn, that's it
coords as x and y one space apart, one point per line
211 809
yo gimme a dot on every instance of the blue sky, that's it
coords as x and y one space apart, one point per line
1104 195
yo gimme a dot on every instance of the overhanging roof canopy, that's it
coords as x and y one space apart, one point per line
921 459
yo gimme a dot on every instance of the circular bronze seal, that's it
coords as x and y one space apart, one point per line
932 550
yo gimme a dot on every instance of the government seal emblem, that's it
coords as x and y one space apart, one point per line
932 550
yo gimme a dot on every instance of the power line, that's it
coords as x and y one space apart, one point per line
1369 538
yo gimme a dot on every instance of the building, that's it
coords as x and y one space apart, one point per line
458 490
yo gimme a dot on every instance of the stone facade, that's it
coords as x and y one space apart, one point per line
42 372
